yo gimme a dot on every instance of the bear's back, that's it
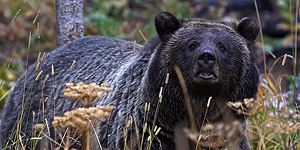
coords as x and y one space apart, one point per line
97 60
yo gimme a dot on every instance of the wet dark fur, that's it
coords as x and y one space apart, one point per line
137 78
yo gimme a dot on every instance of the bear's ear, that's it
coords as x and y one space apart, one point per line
248 28
166 23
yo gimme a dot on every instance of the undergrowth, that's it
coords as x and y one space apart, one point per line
274 115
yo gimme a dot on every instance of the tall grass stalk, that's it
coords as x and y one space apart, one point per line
262 38
151 132
295 50
187 99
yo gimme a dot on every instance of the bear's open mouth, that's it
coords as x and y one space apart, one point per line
205 75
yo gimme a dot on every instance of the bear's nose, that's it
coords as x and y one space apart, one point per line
206 58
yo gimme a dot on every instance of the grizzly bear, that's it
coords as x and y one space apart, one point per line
214 60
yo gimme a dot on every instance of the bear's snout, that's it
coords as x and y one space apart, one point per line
206 58
206 68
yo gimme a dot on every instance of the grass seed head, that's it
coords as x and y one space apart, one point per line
78 119
248 106
39 127
86 94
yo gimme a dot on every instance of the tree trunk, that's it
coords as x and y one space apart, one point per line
69 21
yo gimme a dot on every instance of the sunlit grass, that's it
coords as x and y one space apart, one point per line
274 119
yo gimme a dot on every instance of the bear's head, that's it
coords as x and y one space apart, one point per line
210 54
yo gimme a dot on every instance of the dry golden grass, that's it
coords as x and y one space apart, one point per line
81 120
273 122
86 94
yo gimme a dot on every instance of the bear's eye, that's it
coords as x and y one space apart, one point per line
192 46
222 48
